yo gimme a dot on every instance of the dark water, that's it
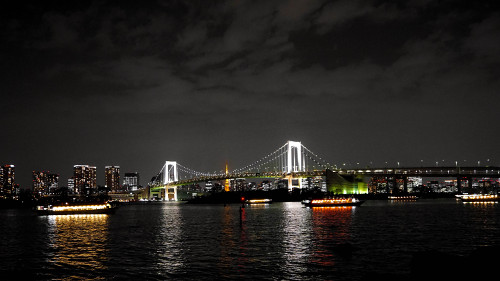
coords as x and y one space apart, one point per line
280 241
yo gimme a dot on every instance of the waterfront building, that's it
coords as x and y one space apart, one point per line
209 185
238 184
85 179
112 178
7 184
131 181
71 185
53 182
414 184
45 183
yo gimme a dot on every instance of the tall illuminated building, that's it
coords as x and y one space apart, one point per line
39 186
71 185
85 179
131 181
7 183
112 177
45 183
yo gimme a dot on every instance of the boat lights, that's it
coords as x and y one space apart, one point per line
257 201
403 197
79 208
479 197
330 201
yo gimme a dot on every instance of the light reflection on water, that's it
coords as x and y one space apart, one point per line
169 244
331 226
78 243
279 241
297 240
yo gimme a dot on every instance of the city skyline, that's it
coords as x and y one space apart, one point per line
134 85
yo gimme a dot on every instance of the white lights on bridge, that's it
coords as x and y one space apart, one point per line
170 174
295 157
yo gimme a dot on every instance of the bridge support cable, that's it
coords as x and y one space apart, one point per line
269 163
316 159
190 173
158 178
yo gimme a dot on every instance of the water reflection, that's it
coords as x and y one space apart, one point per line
297 240
170 258
78 244
331 236
233 245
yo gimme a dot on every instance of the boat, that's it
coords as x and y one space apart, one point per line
479 198
403 197
77 208
259 201
332 202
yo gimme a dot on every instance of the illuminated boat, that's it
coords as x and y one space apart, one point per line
403 197
259 201
75 208
479 198
332 202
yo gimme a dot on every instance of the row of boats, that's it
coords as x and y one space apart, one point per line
352 201
109 207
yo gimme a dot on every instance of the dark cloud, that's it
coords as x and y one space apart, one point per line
109 83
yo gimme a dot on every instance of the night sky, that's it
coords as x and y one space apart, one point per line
202 82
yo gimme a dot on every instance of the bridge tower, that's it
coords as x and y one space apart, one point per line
295 157
170 175
170 172
295 162
226 184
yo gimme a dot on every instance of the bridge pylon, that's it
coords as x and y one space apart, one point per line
295 162
295 157
170 173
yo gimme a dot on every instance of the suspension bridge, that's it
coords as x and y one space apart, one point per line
292 163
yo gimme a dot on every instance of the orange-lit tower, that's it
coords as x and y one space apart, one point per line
226 185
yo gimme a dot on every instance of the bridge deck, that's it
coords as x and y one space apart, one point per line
493 172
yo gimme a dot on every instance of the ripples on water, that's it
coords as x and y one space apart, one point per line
280 241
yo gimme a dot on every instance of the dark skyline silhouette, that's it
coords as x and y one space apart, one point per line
369 82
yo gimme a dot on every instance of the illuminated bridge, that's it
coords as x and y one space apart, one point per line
293 162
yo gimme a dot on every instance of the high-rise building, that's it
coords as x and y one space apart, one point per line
131 181
45 183
7 188
71 185
112 177
85 179
39 186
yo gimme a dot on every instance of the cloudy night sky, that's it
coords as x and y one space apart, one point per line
202 82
